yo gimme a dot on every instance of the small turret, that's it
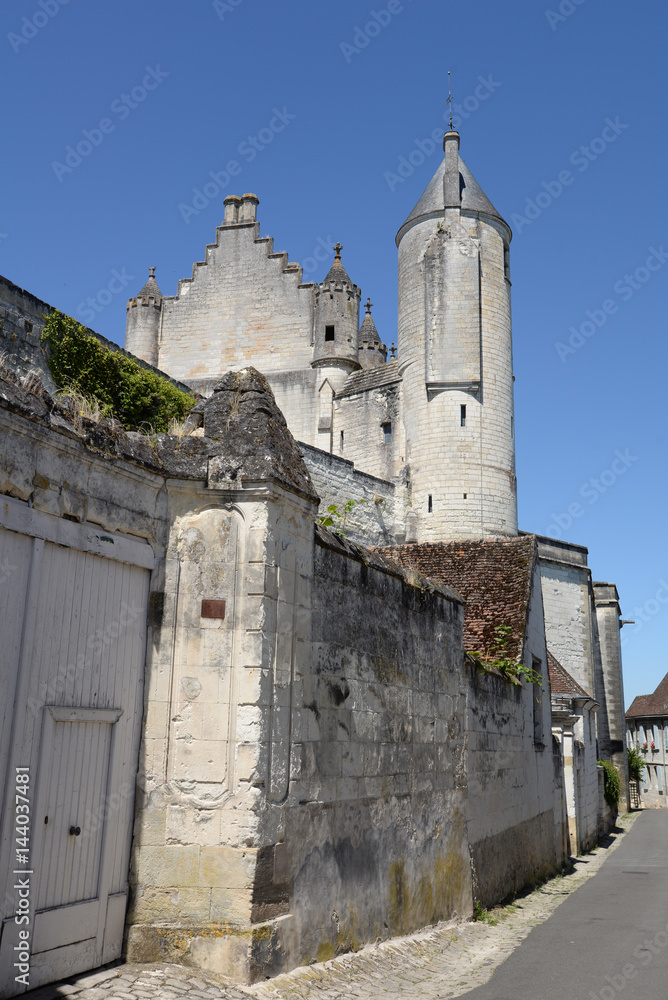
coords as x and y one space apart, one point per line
142 324
337 307
372 351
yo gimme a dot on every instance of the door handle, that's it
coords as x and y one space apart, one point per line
75 831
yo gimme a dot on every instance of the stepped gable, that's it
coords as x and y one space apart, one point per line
370 378
650 704
494 577
243 413
561 681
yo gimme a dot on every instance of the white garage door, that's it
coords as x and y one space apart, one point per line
73 602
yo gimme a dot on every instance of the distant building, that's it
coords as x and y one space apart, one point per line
647 731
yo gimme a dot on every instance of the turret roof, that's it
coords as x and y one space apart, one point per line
337 272
151 287
368 332
431 204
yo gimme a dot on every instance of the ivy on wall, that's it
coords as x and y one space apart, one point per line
612 790
136 396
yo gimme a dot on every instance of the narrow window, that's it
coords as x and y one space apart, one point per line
341 440
387 433
462 416
329 333
429 504
28 326
506 262
465 495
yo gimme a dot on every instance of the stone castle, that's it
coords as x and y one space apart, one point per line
436 423
297 745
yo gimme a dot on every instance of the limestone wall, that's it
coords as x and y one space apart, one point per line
372 837
567 600
380 520
21 323
243 305
514 821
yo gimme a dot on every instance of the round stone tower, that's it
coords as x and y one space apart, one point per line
455 356
142 324
372 351
337 310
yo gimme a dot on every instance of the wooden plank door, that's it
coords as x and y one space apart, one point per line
72 667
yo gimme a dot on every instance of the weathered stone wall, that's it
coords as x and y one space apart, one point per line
21 323
368 430
380 520
22 318
372 836
512 812
567 600
610 687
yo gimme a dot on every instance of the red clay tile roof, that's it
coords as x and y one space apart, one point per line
651 704
493 576
561 681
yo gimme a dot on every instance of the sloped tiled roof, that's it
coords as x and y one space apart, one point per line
561 681
492 575
651 704
370 378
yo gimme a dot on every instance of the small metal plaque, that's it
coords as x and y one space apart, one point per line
213 609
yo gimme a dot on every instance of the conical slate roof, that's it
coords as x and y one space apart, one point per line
150 288
368 333
337 271
431 204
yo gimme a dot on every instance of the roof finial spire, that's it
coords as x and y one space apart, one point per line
449 100
368 305
337 252
151 273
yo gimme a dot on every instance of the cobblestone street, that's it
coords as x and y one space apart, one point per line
445 961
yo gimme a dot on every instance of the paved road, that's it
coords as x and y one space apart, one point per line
608 940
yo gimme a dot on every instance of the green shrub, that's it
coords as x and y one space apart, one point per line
636 764
135 395
612 788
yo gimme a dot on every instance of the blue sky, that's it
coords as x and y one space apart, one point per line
326 113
